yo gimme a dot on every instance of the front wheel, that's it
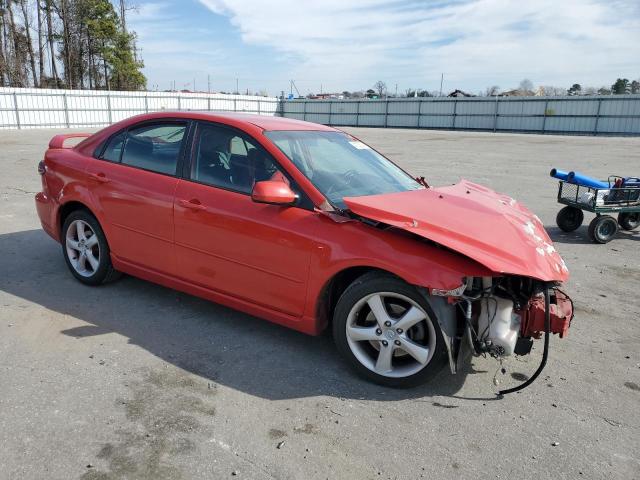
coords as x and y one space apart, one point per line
569 219
85 249
388 332
603 228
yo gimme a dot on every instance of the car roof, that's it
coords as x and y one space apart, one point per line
275 123
265 122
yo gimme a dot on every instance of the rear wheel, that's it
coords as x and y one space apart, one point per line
569 219
603 228
387 332
85 249
629 220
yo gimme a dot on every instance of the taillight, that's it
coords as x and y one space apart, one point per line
42 168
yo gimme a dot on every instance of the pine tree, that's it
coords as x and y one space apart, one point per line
75 44
621 86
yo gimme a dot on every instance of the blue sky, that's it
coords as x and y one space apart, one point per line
348 45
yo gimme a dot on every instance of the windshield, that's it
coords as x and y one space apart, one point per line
340 166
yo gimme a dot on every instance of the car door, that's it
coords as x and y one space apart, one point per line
133 183
226 242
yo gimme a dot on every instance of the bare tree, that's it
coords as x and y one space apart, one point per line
492 91
17 57
27 33
40 46
380 87
4 78
50 34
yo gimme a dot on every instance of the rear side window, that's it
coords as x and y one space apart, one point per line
154 147
114 148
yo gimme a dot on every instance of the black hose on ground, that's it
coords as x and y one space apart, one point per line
545 352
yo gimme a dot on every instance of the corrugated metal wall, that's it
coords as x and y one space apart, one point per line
604 115
37 108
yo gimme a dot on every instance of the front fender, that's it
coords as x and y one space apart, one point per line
415 261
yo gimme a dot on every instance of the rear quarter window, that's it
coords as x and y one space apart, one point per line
113 149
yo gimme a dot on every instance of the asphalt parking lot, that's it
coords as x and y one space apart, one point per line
136 381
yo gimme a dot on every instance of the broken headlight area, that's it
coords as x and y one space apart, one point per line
503 315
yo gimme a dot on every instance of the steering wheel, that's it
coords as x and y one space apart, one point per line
347 176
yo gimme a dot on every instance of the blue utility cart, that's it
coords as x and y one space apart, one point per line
622 197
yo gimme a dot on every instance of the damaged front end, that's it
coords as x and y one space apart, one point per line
500 316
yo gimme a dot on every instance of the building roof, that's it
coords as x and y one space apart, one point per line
460 93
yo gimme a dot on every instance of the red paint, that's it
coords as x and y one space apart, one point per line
58 140
561 314
491 228
276 192
277 261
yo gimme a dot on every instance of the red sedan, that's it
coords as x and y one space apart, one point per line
308 227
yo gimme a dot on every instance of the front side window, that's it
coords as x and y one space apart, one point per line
340 166
223 158
154 147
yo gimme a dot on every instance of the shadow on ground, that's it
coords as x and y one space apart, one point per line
208 340
581 236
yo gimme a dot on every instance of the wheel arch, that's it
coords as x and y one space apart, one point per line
67 209
444 313
333 288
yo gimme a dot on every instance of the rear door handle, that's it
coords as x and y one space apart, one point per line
193 204
98 177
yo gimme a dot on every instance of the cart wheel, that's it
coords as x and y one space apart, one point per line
569 218
603 228
629 220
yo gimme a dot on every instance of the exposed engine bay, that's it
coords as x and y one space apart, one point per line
501 316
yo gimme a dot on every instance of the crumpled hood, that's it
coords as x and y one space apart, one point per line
490 228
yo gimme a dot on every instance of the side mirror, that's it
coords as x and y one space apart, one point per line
274 192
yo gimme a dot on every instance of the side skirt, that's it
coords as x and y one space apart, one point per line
301 324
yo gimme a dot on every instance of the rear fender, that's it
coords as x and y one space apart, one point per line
66 182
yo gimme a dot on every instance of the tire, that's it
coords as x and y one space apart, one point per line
603 228
87 255
629 220
369 344
569 219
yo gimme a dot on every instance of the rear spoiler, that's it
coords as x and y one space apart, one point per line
58 140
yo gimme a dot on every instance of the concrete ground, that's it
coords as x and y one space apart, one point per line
136 381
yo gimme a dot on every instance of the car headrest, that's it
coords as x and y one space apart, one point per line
139 146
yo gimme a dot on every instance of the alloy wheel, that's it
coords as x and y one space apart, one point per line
390 334
83 248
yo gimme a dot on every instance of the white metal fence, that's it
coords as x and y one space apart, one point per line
40 108
599 115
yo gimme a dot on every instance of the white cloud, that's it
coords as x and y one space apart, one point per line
351 44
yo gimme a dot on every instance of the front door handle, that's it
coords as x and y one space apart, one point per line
193 204
98 177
